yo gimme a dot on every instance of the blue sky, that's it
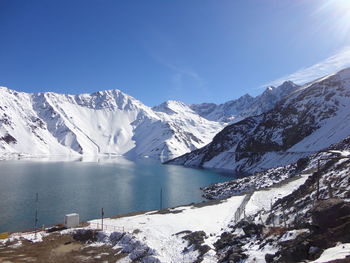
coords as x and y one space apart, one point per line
189 50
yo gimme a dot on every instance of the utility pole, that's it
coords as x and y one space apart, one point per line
161 199
318 180
36 213
102 214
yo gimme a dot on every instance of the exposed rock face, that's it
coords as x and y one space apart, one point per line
195 241
330 213
304 227
8 139
310 119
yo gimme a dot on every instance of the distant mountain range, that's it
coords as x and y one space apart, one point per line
107 122
234 135
246 106
309 119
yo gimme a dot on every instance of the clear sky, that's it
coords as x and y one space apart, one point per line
189 50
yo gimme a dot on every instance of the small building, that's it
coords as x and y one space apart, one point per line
71 220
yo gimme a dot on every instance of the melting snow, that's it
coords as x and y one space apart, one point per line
159 231
340 251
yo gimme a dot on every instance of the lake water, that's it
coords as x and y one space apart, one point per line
117 185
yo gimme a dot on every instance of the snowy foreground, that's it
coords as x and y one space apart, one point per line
159 231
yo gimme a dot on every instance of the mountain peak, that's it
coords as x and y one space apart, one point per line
288 82
269 89
246 96
344 73
112 99
110 92
172 107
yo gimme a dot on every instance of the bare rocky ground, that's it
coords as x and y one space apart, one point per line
57 248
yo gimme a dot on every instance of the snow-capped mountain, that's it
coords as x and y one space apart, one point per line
245 106
308 120
106 122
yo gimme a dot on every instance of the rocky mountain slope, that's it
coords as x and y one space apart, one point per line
245 106
306 224
308 120
106 122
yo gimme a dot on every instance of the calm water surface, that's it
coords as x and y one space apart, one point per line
118 185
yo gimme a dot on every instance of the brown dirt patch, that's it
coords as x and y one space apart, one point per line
57 248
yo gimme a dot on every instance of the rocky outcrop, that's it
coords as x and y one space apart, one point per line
330 213
137 251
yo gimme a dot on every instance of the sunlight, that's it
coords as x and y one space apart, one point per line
338 13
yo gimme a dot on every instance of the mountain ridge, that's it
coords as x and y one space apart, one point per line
245 106
308 120
114 123
104 122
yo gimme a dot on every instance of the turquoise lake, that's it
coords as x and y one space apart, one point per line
116 185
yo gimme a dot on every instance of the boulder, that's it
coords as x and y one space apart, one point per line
85 235
269 258
237 257
226 239
102 237
234 255
115 237
252 229
138 253
150 259
330 213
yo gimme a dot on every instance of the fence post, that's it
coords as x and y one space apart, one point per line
102 214
161 198
284 218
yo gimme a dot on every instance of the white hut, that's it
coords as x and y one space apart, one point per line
71 220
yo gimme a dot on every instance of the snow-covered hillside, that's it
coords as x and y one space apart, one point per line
245 106
308 120
106 122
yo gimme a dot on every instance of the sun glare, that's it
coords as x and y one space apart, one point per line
337 16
